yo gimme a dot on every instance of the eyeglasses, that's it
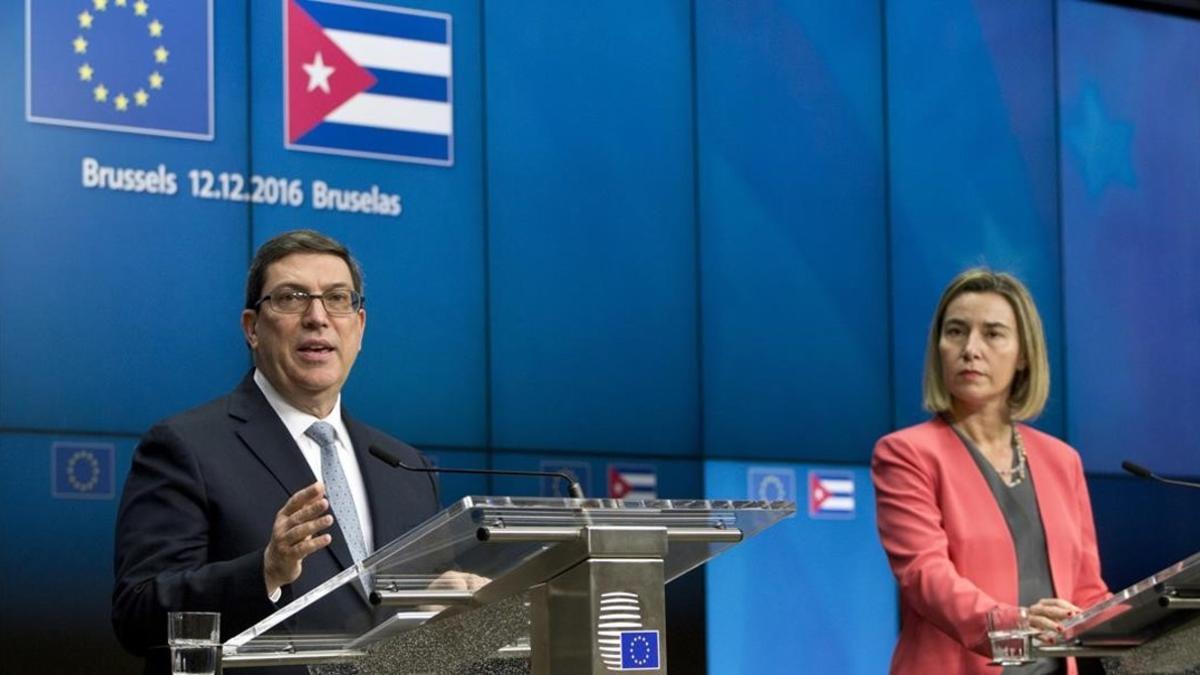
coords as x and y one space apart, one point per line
337 302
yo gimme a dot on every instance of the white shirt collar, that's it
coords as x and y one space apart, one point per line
297 421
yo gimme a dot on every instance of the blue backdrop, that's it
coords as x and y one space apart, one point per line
684 236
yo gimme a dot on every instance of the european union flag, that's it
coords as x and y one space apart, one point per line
771 483
639 650
555 487
82 470
123 65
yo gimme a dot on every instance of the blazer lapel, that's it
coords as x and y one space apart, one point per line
1052 511
265 435
973 495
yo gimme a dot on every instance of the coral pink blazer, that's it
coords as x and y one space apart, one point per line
951 550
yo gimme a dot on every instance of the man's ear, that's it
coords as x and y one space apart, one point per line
250 327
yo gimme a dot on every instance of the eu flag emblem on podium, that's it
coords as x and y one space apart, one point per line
122 65
82 470
639 650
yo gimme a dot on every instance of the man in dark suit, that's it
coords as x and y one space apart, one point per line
249 501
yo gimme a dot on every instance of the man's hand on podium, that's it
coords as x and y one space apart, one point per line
453 580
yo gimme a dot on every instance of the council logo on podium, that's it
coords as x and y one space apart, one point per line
623 642
368 80
121 65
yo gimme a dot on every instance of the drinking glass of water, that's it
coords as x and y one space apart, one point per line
195 641
1009 632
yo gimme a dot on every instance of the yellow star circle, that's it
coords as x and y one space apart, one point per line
87 73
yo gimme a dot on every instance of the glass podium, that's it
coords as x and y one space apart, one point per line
1152 626
489 583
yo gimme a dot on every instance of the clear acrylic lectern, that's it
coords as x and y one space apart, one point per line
507 584
1151 627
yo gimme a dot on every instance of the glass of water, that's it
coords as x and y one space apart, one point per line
195 642
1010 633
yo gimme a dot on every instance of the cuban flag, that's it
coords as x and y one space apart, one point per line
831 494
121 65
368 80
632 481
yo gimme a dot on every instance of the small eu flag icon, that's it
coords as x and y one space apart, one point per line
639 650
82 470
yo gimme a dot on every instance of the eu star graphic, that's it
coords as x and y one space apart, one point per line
1101 143
102 64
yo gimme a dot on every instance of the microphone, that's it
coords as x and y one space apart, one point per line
1142 472
574 488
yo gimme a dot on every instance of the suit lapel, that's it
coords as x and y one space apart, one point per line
265 435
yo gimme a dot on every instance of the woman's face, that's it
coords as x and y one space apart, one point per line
980 349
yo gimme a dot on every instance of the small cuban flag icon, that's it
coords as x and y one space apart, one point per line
830 494
632 481
81 470
368 80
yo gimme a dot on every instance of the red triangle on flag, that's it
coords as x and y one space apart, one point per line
817 492
307 44
618 487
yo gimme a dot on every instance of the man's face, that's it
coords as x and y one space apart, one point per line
306 356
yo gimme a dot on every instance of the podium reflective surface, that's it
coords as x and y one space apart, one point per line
1153 626
509 577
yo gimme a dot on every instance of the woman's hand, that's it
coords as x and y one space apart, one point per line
1047 614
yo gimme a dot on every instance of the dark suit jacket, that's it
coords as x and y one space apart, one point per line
197 511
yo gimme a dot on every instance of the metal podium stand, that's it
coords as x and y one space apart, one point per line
1151 627
507 584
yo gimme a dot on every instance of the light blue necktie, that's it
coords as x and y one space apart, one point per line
337 489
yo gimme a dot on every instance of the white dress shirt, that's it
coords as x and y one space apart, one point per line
297 422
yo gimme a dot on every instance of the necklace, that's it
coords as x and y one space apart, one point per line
1013 476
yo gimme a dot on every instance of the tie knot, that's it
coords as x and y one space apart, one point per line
322 433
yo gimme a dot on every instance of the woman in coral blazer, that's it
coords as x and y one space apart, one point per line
940 485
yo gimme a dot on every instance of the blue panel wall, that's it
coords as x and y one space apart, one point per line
92 273
1142 526
793 241
591 227
1130 120
972 167
811 591
453 487
58 554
